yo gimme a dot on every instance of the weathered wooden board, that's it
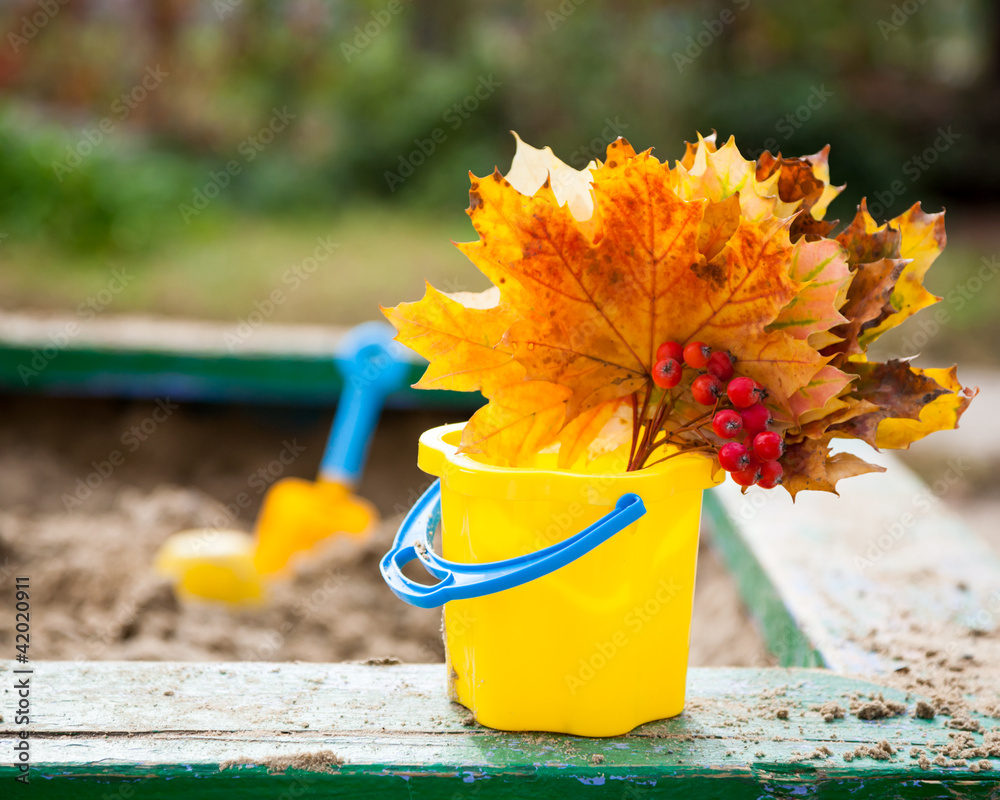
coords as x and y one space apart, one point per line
165 730
882 577
880 582
185 360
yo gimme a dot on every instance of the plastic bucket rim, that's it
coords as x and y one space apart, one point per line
462 473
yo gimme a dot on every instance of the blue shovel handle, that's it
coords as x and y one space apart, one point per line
371 367
462 581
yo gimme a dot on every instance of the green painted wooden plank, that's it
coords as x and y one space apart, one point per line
775 620
277 378
543 784
865 582
185 360
163 730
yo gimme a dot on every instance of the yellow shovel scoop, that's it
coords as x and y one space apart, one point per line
296 515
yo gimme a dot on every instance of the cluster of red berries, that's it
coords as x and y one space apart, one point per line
754 458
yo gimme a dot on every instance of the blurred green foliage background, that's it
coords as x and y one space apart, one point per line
116 115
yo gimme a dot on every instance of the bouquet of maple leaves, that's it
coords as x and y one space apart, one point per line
705 307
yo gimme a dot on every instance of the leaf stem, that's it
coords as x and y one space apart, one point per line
649 430
635 428
634 459
680 453
651 440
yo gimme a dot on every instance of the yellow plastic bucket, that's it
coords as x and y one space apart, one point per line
598 646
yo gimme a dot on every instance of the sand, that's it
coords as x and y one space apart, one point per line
89 555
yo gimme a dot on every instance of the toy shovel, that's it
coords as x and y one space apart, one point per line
296 515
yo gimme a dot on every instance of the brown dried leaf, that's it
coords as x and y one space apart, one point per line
809 466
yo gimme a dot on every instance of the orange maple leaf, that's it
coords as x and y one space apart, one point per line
889 404
584 303
593 269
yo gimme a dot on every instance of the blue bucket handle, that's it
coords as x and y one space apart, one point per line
463 581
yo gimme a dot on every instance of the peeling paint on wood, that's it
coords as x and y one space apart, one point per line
104 729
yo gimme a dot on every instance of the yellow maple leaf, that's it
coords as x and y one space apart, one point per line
460 336
593 269
923 239
520 419
940 413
